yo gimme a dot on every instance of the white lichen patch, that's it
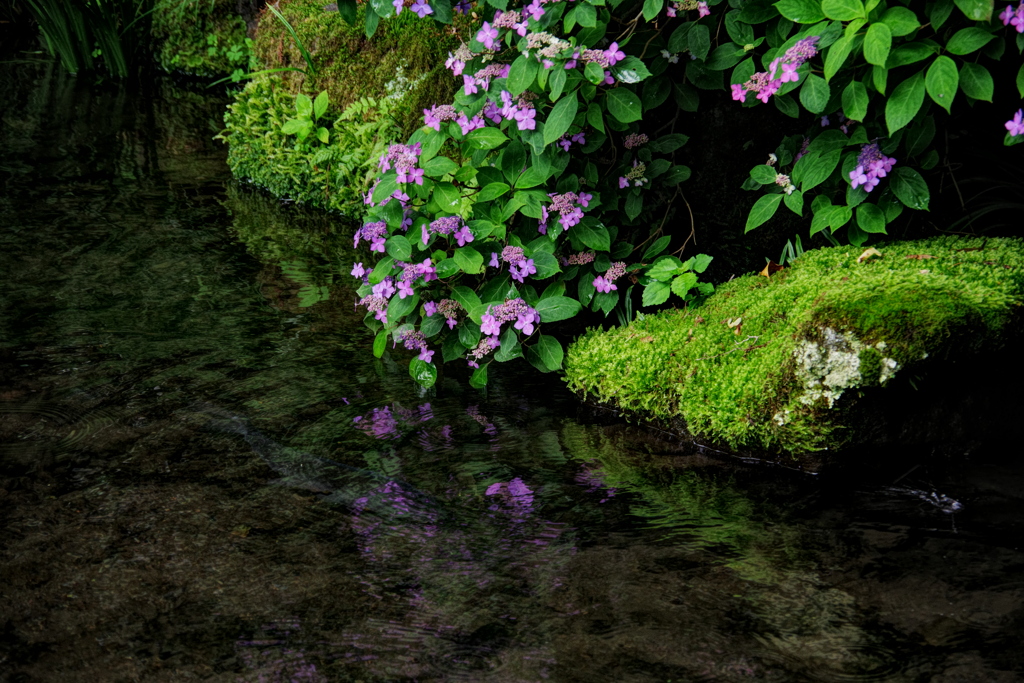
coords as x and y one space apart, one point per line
829 367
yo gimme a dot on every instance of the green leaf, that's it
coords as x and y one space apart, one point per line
877 44
919 136
942 81
976 10
787 105
452 348
295 126
594 73
652 8
485 138
909 53
469 334
764 174
630 70
667 144
904 102
683 284
634 205
676 175
855 101
976 81
557 308
594 116
492 191
370 25
510 346
398 246
724 57
320 105
967 40
879 77
380 343
938 12
424 373
701 262
593 235
814 94
549 352
556 84
479 378
665 268
801 11
521 74
795 202
546 265
900 20
870 218
623 104
843 10
560 118
656 248
446 268
817 169
656 293
447 197
586 15
763 209
837 55
910 188
398 307
1020 79
439 166
740 31
469 259
466 297
304 105
382 270
678 41
699 40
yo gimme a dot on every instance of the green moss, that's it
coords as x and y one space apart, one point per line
197 36
330 176
774 364
404 59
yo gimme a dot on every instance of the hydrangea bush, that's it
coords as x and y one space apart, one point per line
546 183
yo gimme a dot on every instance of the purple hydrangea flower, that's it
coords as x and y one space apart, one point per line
421 8
1016 125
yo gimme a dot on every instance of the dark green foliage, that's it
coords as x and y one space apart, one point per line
330 176
200 37
90 33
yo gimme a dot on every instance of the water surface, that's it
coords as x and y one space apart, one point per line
205 475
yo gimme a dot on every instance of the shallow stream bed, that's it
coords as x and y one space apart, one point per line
205 475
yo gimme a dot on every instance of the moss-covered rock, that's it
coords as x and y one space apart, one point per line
782 364
377 89
205 38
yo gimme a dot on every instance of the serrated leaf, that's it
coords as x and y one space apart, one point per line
593 235
478 380
817 169
656 293
549 352
683 283
510 346
439 166
699 41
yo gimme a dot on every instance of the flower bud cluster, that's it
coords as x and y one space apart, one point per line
634 140
376 233
684 5
415 341
782 70
605 283
871 165
404 159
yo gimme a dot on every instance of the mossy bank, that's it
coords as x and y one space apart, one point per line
376 89
782 365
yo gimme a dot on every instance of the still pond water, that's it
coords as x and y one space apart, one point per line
205 475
